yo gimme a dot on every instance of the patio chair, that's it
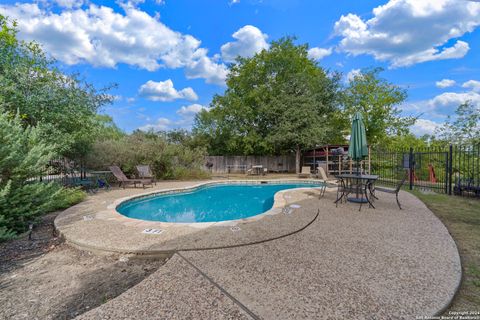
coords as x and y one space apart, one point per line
144 172
326 180
392 191
305 173
123 180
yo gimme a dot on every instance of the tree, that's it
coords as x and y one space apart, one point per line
377 100
276 101
24 155
463 128
62 106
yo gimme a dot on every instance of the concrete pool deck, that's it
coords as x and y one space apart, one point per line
382 263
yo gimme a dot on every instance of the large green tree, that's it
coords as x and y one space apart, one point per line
378 100
63 107
279 100
463 128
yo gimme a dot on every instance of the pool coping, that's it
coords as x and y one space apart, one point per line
72 226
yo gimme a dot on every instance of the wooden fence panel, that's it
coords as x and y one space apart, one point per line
224 164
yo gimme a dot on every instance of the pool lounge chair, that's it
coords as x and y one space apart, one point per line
305 173
144 172
124 181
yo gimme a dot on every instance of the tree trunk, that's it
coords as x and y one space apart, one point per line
297 160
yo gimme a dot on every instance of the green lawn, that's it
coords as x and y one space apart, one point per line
461 216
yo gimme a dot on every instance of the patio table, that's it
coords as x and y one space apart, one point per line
257 169
360 184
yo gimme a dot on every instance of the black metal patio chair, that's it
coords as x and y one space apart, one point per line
392 191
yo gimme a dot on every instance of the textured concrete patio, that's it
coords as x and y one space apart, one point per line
382 263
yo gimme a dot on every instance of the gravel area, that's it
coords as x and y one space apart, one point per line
47 279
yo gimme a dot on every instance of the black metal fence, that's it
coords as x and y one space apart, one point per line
61 170
450 170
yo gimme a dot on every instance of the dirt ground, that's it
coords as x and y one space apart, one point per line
44 278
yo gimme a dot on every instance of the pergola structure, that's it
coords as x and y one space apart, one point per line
333 158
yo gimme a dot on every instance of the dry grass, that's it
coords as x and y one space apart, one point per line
461 216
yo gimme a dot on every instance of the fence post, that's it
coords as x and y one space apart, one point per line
412 167
450 169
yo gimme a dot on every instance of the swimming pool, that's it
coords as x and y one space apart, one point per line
210 203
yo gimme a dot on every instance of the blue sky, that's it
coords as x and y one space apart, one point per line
169 57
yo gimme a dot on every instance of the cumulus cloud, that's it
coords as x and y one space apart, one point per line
352 74
316 53
190 110
187 114
165 91
424 126
186 117
104 38
449 101
249 40
160 125
443 104
445 83
472 84
69 3
392 34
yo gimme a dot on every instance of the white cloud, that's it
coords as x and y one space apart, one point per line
352 74
185 120
104 38
249 40
69 3
316 53
451 100
445 83
472 84
233 2
165 91
406 32
205 68
190 110
424 126
187 114
159 125
443 104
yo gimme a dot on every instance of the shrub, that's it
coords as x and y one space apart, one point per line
168 160
23 156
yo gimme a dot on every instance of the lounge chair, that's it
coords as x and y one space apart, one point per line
144 172
392 191
123 180
305 173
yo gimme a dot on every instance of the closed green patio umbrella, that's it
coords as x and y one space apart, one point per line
358 148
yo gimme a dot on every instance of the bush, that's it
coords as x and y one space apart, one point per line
168 160
23 156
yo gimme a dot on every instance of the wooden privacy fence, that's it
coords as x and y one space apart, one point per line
231 164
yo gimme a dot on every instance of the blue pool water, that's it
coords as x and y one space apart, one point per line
208 203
